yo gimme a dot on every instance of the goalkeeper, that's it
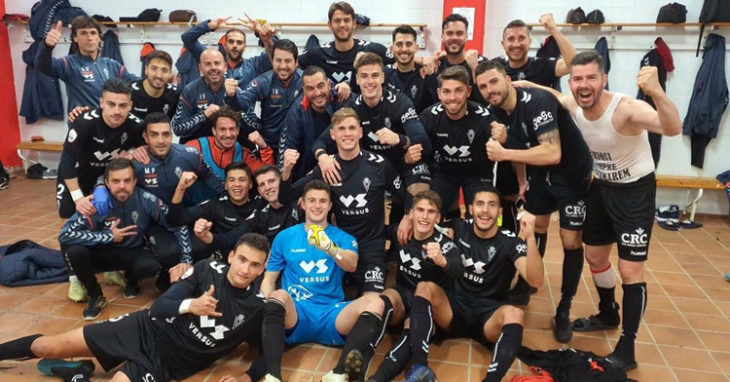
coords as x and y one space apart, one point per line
311 259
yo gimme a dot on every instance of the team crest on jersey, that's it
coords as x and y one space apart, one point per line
72 135
470 135
135 216
178 172
124 137
366 183
191 149
87 74
386 122
238 321
166 108
490 253
414 90
521 76
295 214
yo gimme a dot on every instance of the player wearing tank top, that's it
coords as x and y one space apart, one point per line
620 207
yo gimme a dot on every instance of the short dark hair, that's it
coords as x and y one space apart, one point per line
341 6
430 195
405 29
316 184
254 241
587 57
240 165
454 17
516 23
117 86
236 30
287 46
266 169
155 117
368 58
159 55
456 72
487 187
489 65
84 22
225 112
117 164
312 70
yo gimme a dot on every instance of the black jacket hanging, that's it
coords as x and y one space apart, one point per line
110 46
661 57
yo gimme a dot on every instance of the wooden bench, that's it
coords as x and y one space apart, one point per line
47 146
689 183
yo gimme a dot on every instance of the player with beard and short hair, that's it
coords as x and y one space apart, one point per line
207 315
620 206
155 93
405 74
475 305
544 138
516 41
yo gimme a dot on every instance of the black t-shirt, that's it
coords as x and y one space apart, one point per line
189 343
358 201
414 265
489 264
540 70
339 65
92 144
409 84
224 215
537 112
269 221
143 104
459 146
431 83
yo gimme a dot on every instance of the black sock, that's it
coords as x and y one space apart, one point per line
606 296
634 304
18 348
380 332
421 329
396 359
504 352
572 269
272 336
541 239
362 334
257 370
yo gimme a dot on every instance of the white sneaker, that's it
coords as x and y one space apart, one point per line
76 290
271 378
332 377
115 278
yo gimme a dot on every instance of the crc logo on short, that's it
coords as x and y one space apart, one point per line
576 210
636 239
374 275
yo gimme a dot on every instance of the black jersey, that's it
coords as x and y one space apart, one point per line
188 343
358 200
410 84
537 112
90 145
143 104
540 70
224 215
459 146
414 265
339 65
394 111
431 83
269 221
489 264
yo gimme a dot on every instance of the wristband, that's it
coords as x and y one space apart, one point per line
76 195
185 306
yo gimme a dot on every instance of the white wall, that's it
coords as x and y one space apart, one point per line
627 48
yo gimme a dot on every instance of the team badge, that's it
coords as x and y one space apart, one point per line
366 183
387 122
490 253
166 108
178 172
470 134
124 137
238 320
135 216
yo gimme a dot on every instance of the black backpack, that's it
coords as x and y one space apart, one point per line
576 16
595 17
672 13
713 11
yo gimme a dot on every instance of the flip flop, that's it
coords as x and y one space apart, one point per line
669 225
689 224
592 323
51 367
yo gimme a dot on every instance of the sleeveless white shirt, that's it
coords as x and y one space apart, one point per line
616 158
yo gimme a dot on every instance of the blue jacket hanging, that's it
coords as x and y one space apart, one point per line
602 49
110 47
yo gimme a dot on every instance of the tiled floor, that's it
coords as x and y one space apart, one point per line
685 335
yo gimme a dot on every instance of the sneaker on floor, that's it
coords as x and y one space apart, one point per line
420 373
50 173
621 364
94 307
562 328
115 278
271 378
332 377
131 290
76 290
51 367
355 366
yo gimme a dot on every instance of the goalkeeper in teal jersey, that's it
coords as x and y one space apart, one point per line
311 259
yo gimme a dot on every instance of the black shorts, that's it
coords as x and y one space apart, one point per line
507 179
64 202
470 315
415 173
622 214
448 185
125 339
567 194
370 273
406 296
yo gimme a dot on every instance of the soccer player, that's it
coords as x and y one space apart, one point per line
155 93
114 240
311 259
623 191
205 316
476 305
85 72
405 74
543 136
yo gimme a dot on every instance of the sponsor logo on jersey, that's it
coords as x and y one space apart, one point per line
342 76
299 292
217 331
521 248
462 150
410 114
87 74
413 263
475 267
397 182
543 119
103 157
349 199
308 266
150 176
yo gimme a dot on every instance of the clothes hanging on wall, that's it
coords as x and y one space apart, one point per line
110 46
661 57
602 49
550 49
709 99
